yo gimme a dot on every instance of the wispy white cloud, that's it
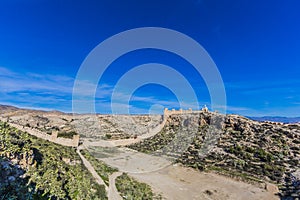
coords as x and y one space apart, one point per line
35 90
17 82
6 72
55 92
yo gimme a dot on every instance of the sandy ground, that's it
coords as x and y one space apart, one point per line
130 161
177 182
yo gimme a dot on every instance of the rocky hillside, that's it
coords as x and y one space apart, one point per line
88 126
31 168
114 126
257 152
238 147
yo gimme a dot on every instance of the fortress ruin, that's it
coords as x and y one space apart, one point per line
74 142
181 111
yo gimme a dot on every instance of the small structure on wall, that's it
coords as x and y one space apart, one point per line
205 109
181 111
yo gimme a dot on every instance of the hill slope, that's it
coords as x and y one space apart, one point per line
34 168
245 149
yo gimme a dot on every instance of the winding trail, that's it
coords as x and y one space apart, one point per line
113 193
125 142
91 169
111 190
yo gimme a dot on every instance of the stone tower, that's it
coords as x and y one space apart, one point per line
76 140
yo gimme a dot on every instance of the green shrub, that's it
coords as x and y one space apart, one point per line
102 169
133 190
48 176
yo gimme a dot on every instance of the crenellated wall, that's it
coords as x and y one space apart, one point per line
52 138
168 112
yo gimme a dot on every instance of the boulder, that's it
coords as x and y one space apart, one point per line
271 188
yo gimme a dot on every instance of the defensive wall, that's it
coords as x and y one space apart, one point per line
74 142
168 112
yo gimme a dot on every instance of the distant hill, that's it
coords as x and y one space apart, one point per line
7 108
288 120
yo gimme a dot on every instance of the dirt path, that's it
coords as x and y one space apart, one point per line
111 190
130 161
91 169
124 142
113 193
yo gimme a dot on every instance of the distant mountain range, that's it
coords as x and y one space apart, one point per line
277 119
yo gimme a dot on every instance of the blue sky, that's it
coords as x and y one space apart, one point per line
255 45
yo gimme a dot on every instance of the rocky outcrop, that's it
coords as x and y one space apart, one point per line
32 168
108 127
239 147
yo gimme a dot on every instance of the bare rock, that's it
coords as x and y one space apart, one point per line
271 188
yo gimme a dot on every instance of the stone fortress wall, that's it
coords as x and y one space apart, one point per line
74 142
52 138
168 112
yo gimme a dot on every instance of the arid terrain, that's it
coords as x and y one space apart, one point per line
201 155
